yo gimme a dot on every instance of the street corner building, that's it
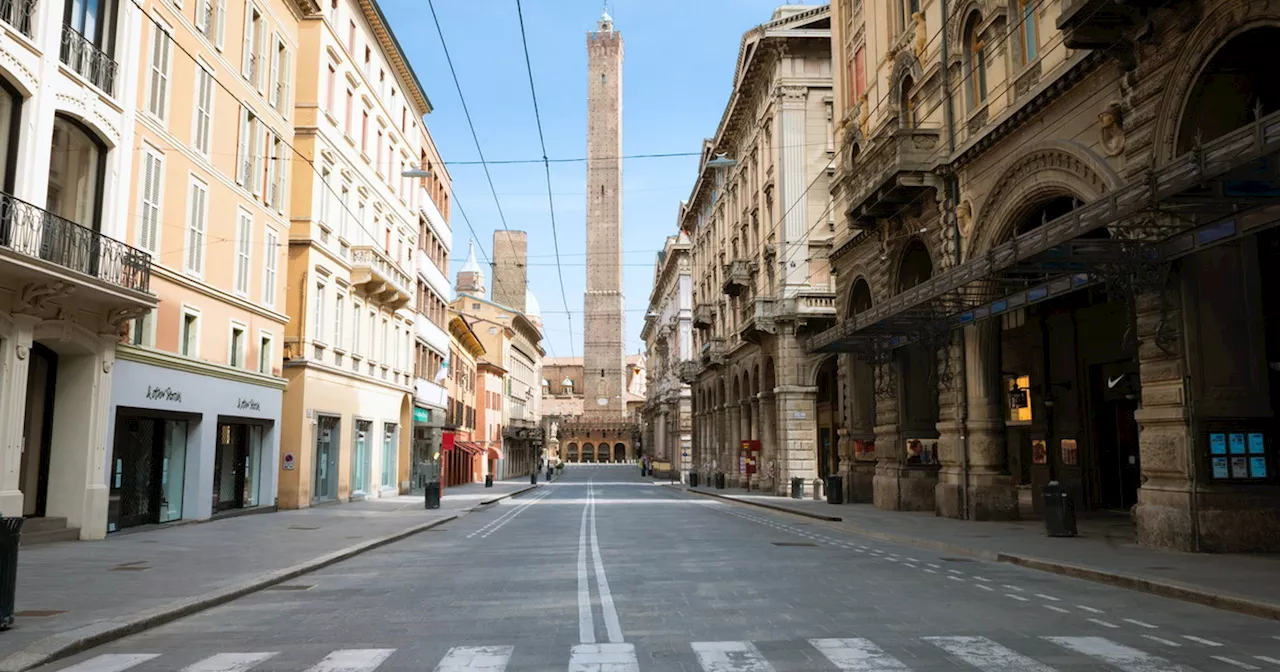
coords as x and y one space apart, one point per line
1053 244
369 202
667 413
760 223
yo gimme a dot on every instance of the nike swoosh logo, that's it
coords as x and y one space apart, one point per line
1111 382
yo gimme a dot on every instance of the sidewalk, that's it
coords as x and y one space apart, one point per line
77 594
1105 551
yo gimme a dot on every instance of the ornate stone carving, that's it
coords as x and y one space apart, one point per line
922 39
1028 80
864 115
107 366
118 319
34 298
1111 130
793 93
964 218
22 351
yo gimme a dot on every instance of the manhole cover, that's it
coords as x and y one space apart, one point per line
793 543
292 586
40 613
304 527
955 559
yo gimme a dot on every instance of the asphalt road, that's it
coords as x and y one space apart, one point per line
601 571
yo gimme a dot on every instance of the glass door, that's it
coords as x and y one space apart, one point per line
360 459
133 500
390 434
173 469
326 476
229 467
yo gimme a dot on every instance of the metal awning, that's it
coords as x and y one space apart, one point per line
1223 190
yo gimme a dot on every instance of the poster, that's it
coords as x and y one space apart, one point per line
1258 467
1239 467
1237 443
1039 452
864 448
1217 443
1256 444
1070 453
1220 467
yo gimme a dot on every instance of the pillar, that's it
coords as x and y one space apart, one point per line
859 407
886 486
13 397
769 442
729 459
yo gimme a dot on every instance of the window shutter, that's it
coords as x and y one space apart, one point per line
220 25
273 86
195 241
202 16
242 254
246 63
242 150
269 269
256 152
285 74
271 170
282 169
150 189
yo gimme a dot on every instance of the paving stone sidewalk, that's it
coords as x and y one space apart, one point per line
1104 551
77 590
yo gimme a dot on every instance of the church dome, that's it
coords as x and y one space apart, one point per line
531 307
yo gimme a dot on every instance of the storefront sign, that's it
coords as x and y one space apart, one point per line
1238 455
1039 453
248 405
288 463
164 394
421 415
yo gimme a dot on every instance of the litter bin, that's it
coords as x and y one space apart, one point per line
488 480
533 477
797 487
693 479
835 489
720 480
10 531
432 495
1059 511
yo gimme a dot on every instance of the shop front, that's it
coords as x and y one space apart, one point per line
189 444
424 462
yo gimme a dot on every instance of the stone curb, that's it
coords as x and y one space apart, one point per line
495 500
88 636
775 507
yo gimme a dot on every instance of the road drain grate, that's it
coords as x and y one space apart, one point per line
136 566
793 543
292 586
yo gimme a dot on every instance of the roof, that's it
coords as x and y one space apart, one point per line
472 266
400 61
633 360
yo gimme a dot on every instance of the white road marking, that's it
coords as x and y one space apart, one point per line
229 662
1120 656
610 657
985 587
1016 597
912 560
956 578
987 655
857 655
955 571
983 579
1232 661
586 621
1206 642
1090 609
611 623
1268 659
934 566
352 660
931 571
730 657
1162 640
511 516
1015 588
111 662
1143 624
1105 624
1057 609
1047 597
475 659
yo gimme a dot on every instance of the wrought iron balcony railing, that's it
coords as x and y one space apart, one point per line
35 232
83 56
18 13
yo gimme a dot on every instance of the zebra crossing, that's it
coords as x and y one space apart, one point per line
850 654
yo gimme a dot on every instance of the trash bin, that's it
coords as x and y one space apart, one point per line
533 477
1059 511
797 487
488 480
432 495
720 480
693 479
10 531
835 489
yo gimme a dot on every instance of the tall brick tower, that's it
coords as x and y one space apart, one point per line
604 380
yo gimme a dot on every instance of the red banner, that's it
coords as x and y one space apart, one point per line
446 441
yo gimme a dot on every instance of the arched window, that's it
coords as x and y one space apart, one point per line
976 62
76 165
906 104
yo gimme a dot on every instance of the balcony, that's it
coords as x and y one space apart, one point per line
41 248
82 55
687 371
737 275
713 352
380 277
757 319
1105 24
18 14
429 210
814 307
431 275
703 315
431 334
890 173
429 393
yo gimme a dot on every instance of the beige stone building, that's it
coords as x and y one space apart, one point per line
356 218
1048 218
578 438
761 222
667 414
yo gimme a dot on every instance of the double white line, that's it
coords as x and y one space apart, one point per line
495 524
586 619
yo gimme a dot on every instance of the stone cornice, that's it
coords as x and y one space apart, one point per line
391 47
169 360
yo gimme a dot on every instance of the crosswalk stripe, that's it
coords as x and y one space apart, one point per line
730 657
475 659
1118 655
604 657
987 655
229 662
352 660
856 654
111 662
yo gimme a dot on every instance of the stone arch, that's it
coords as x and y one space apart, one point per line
905 67
18 75
573 451
755 379
92 121
960 15
619 452
1223 23
859 296
67 338
906 255
770 380
1044 170
588 452
814 367
737 388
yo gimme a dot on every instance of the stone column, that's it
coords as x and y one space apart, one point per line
798 433
757 433
729 454
860 405
948 491
793 181
768 441
992 494
886 485
13 405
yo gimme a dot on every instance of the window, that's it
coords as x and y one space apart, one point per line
248 59
338 302
378 165
364 130
158 81
906 104
265 354
190 332
202 133
330 86
349 116
279 87
355 327
344 216
387 356
317 320
322 204
389 450
237 355
271 244
272 168
140 330
149 191
197 218
976 66
1028 31
351 38
860 73
247 149
244 238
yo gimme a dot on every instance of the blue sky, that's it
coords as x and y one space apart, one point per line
677 77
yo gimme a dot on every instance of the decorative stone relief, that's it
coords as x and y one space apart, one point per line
1111 130
22 351
964 217
922 39
34 298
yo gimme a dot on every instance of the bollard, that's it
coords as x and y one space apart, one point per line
817 489
533 478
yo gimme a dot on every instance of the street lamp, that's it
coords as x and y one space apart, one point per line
415 173
721 161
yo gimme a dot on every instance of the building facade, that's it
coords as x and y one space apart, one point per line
760 220
69 281
195 418
670 367
579 437
1048 216
348 351
462 460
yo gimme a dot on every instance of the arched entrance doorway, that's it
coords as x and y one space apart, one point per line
588 452
619 452
828 415
917 371
572 452
602 452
